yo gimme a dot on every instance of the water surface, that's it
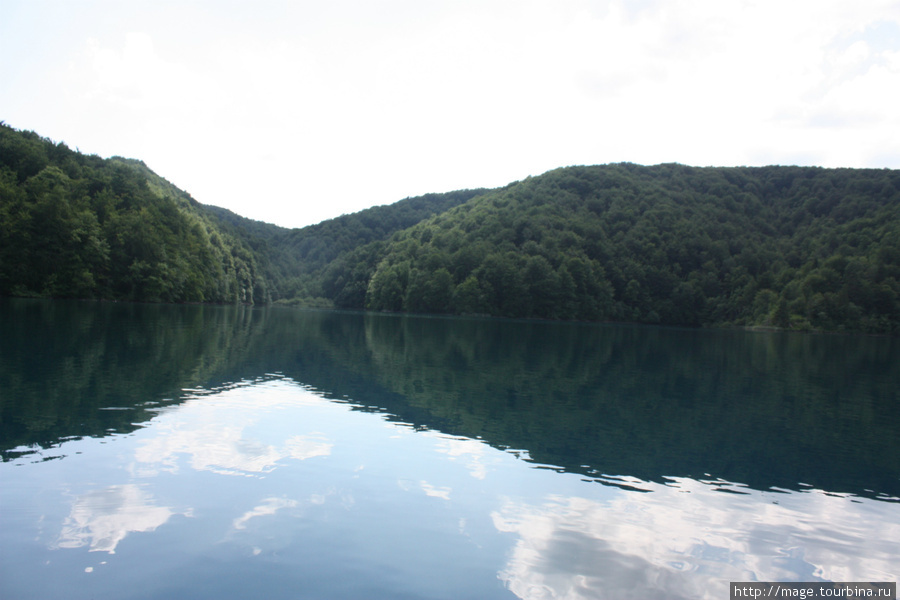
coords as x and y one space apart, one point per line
228 452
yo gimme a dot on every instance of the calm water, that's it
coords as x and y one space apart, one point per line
228 452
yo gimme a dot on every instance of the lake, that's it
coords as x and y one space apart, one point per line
155 451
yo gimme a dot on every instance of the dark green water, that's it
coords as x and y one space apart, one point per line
228 452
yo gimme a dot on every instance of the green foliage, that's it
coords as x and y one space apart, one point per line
787 247
784 247
78 226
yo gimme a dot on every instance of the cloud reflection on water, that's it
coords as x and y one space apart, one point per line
627 539
472 451
687 539
213 433
268 507
101 519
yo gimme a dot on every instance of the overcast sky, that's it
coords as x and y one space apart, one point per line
293 112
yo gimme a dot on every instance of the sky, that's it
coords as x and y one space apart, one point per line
294 112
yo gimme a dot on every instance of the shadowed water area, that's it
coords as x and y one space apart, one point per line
156 451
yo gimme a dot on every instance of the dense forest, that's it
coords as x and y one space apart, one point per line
772 246
787 247
298 256
79 226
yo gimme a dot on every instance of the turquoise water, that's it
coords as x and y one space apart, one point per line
228 452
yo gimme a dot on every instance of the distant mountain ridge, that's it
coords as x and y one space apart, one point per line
785 247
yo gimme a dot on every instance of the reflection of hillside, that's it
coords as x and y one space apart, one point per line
764 409
759 408
65 364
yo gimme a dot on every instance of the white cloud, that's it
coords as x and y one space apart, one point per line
102 518
664 543
295 112
268 507
435 491
214 436
132 76
302 447
472 451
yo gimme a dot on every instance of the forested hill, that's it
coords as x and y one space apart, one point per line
78 226
299 255
788 247
73 225
772 246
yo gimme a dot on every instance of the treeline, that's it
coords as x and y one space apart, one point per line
300 255
786 247
78 226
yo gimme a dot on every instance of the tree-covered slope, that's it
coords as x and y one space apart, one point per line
789 247
779 246
81 226
299 255
73 225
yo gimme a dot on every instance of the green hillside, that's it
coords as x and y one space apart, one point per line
787 247
78 226
772 246
299 256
